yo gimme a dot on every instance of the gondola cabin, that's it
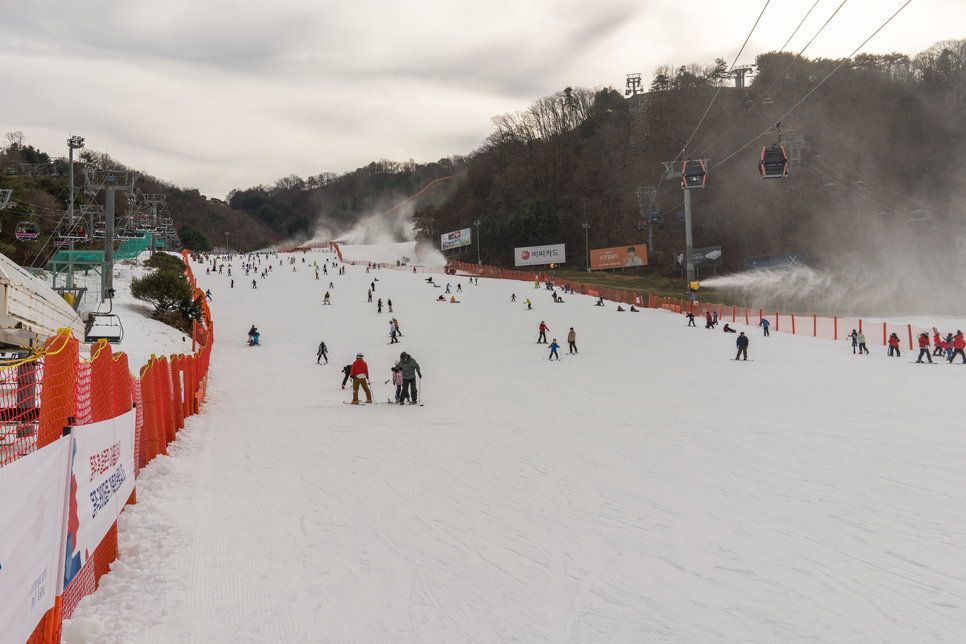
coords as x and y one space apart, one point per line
26 231
774 163
693 174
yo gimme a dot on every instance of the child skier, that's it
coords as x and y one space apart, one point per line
553 350
323 353
543 333
397 380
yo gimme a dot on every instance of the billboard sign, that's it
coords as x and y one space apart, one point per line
710 256
620 257
537 255
455 239
777 261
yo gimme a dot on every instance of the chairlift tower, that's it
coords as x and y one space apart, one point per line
647 205
675 170
5 198
634 90
73 143
157 202
111 181
739 73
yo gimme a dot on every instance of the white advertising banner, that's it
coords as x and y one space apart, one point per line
536 255
34 493
455 239
102 479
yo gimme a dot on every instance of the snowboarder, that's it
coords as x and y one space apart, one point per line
894 345
600 301
409 368
553 350
728 329
764 324
861 338
691 319
572 340
360 378
924 348
326 300
959 344
543 333
392 333
323 353
742 343
395 323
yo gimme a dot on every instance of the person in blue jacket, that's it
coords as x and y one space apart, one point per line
553 350
742 343
764 324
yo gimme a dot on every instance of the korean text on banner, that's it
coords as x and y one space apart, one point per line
620 257
537 255
31 537
102 479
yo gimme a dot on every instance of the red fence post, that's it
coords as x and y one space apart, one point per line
910 337
815 322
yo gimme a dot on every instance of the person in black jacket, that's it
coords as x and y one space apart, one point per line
742 343
346 370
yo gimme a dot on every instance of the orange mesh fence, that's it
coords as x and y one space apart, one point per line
19 409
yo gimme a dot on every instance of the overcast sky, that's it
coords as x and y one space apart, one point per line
218 95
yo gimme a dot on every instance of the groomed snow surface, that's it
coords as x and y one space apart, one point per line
648 489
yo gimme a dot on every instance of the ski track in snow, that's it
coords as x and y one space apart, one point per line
648 491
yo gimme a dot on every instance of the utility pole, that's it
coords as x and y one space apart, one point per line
675 170
479 261
73 143
587 244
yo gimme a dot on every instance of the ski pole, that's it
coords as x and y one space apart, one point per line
546 352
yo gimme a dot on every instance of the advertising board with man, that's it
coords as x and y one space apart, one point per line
620 257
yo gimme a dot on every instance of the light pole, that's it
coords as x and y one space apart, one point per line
479 261
587 244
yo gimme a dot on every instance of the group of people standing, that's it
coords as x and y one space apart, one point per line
571 340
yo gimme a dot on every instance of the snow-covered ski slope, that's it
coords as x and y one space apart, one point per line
649 489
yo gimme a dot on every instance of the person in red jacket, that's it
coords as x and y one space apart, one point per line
543 333
937 341
959 343
924 347
894 345
360 377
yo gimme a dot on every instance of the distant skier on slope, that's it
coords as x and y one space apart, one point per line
742 343
572 340
959 344
543 333
323 353
924 348
553 350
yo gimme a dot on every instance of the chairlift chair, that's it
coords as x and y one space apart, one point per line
26 231
773 163
693 174
103 326
919 215
77 232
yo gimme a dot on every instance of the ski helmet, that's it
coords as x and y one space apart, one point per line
358 355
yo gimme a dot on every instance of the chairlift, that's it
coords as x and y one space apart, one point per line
773 163
767 100
103 326
693 174
26 231
129 233
919 215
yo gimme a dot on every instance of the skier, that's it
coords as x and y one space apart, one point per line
409 368
389 304
373 285
855 340
370 295
529 306
714 319
254 284
459 288
379 310
331 285
553 350
959 344
392 333
513 297
764 324
707 321
543 333
326 300
924 348
346 370
691 319
208 294
742 343
397 380
937 341
323 353
447 287
600 301
861 338
232 284
360 378
894 345
572 340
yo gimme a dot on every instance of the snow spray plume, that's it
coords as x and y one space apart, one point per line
382 228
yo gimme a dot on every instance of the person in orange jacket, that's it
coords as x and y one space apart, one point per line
924 347
360 378
959 343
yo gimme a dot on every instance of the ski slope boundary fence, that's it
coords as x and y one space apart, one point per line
59 392
818 326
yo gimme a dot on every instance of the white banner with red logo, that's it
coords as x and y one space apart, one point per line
102 479
536 255
33 493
